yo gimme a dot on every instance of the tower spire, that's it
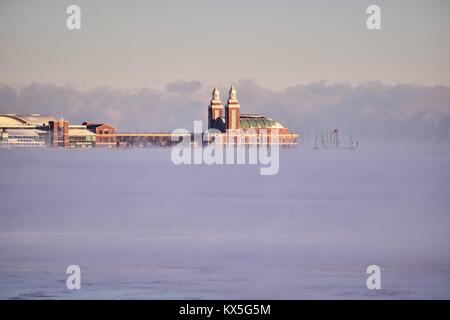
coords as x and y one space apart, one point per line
215 109
233 110
215 94
233 93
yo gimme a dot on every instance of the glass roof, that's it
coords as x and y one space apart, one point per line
259 122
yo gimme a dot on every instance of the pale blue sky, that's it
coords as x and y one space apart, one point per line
134 44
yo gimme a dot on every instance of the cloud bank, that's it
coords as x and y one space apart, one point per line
369 111
184 87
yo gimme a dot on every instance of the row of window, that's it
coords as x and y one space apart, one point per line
110 140
82 138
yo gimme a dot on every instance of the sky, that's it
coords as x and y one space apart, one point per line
311 65
372 112
134 44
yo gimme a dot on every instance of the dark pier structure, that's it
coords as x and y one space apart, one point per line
148 139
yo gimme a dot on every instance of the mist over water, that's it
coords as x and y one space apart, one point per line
142 227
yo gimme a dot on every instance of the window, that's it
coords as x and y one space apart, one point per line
233 119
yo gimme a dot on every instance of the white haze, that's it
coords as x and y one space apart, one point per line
141 227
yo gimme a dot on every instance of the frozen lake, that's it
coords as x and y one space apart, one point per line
142 228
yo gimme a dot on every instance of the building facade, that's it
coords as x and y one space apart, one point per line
225 125
233 127
105 134
37 130
24 130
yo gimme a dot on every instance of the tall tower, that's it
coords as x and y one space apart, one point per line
215 109
233 111
59 133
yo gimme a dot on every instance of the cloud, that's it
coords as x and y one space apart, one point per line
142 110
184 87
370 111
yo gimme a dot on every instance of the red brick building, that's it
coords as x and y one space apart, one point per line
247 128
59 133
105 134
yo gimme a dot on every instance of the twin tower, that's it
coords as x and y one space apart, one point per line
216 117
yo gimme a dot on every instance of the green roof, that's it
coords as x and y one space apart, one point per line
257 121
